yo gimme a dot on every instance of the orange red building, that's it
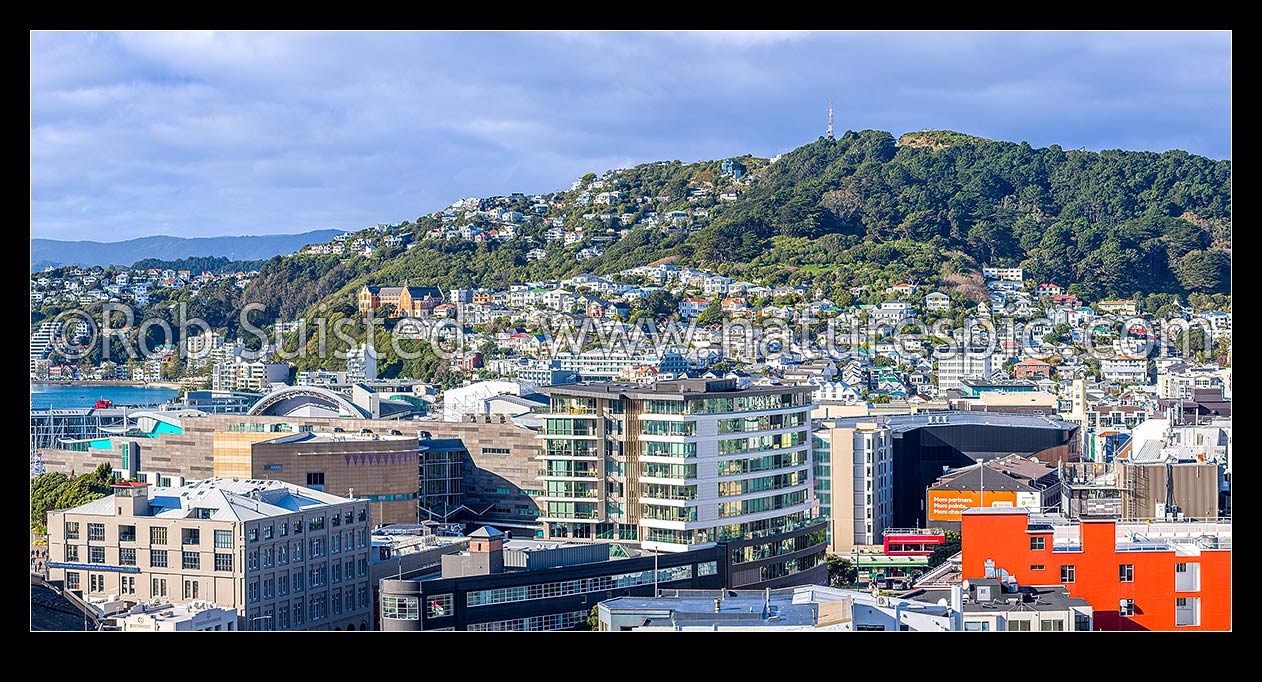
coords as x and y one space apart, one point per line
1151 576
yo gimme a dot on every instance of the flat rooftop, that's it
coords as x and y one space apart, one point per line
736 607
901 423
687 388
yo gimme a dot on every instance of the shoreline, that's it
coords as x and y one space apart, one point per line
175 386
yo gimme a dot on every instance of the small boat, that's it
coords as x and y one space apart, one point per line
103 403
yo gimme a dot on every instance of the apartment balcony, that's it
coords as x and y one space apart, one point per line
573 516
555 475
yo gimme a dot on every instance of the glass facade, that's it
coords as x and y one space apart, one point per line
769 422
659 470
763 483
667 428
734 467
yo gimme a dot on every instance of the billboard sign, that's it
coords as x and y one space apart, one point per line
946 505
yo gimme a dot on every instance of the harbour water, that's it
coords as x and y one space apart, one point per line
46 396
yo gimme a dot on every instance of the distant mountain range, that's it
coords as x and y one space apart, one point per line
46 252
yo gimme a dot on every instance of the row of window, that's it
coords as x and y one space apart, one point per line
555 621
581 586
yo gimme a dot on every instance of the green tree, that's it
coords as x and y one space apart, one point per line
841 571
711 315
949 548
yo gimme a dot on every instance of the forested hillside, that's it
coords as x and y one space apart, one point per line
862 210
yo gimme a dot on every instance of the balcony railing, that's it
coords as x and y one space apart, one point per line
580 473
558 494
570 515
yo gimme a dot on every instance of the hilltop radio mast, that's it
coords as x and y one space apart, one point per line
830 120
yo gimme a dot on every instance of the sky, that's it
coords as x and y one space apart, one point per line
210 133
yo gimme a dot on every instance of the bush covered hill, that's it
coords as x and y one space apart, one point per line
858 210
862 210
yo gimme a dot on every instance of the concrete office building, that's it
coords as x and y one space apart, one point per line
927 444
381 469
854 481
284 557
682 465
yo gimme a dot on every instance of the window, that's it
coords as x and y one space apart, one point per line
96 583
252 591
1052 626
1037 567
495 451
1187 611
267 532
1126 573
298 613
349 518
158 587
71 553
1082 622
223 562
363 512
977 626
315 523
192 561
157 535
297 581
127 556
399 608
72 530
1037 542
127 584
72 580
1067 574
335 520
192 536
296 551
157 558
96 531
252 561
1018 626
708 568
298 527
282 554
315 481
252 534
96 555
439 606
126 533
223 539
190 589
1126 607
1187 577
284 529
